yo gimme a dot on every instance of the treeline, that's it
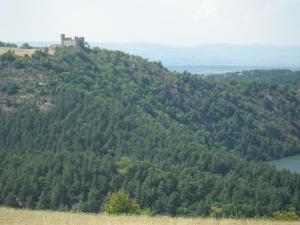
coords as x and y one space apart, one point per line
8 45
179 144
12 45
80 181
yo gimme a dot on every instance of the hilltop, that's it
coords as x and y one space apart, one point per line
209 58
80 123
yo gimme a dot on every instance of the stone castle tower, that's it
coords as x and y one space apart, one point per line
76 42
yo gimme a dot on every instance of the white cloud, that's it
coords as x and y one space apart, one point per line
208 9
248 21
175 22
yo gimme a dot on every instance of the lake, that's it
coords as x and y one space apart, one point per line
291 163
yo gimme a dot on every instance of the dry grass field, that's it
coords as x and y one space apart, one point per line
21 52
27 217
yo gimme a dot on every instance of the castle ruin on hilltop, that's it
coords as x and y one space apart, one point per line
76 42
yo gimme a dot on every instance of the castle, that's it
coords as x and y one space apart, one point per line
76 42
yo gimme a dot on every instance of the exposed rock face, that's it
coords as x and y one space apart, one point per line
20 89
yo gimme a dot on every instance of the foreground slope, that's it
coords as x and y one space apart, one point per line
27 217
81 123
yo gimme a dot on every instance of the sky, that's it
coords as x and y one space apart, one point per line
170 22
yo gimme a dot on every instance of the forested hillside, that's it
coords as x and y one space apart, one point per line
81 123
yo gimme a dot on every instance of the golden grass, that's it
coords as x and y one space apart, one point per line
10 216
22 52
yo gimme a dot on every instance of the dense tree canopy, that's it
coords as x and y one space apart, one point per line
271 77
79 124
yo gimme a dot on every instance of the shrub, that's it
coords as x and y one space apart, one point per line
80 207
8 56
285 215
216 211
10 88
120 203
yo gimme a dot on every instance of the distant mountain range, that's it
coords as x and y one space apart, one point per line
210 58
216 58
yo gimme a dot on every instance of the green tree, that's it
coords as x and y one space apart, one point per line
43 202
120 203
29 202
11 200
26 46
93 202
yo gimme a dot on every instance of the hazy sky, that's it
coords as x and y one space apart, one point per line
173 22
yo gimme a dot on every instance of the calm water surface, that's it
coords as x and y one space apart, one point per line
291 163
